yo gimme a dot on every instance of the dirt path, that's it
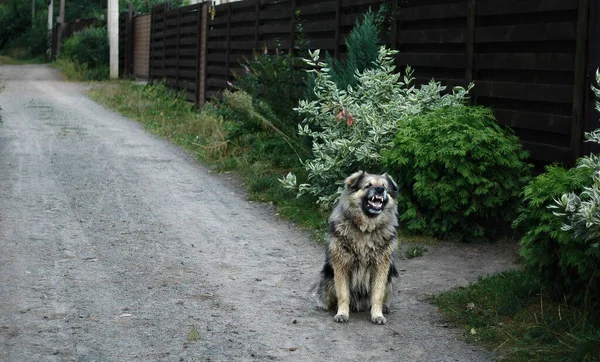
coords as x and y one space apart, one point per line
114 244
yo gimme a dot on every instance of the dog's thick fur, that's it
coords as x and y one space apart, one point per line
359 264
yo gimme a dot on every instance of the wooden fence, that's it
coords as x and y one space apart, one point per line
126 43
176 48
141 46
240 28
532 61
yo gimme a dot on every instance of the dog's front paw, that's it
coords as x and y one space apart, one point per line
378 319
341 318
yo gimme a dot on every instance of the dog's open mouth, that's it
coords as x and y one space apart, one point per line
375 203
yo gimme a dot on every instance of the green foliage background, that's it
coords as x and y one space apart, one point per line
88 50
547 250
22 39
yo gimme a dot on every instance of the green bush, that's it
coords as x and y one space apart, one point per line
545 244
561 244
460 174
90 51
350 127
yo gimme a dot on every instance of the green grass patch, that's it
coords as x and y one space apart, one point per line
414 251
260 159
80 72
4 60
509 314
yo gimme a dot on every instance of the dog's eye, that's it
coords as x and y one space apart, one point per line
367 186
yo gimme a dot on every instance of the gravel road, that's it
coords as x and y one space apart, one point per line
115 245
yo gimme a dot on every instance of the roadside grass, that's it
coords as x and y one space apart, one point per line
6 60
510 314
69 70
259 164
414 251
79 73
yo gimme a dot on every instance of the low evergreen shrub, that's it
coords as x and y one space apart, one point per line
251 125
274 77
459 173
362 50
362 47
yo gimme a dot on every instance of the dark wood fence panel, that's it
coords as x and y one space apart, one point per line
321 24
175 45
432 38
126 31
232 35
524 68
141 46
157 41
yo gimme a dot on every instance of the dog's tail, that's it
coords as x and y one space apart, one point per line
316 292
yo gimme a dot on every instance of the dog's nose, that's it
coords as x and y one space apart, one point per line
380 189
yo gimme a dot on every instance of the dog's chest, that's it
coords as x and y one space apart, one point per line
367 248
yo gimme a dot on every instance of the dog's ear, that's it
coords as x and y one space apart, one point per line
354 180
393 186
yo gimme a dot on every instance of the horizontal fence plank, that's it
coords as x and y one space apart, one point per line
322 44
527 32
216 57
432 60
242 30
433 12
275 14
527 61
548 153
318 26
509 7
317 8
243 45
217 45
216 69
217 83
534 121
525 91
363 3
436 36
275 28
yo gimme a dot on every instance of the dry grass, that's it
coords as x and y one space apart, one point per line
166 115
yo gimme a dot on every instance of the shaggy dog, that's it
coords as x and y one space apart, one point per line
359 263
